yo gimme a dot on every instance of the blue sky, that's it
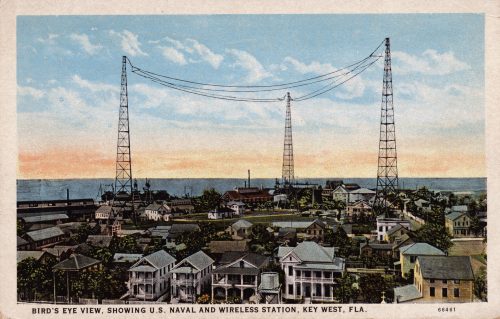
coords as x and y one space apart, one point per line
68 77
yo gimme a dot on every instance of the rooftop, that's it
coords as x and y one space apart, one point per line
198 260
223 246
406 293
76 262
45 233
309 251
455 215
99 240
126 258
44 218
446 267
159 259
420 249
241 224
25 254
269 282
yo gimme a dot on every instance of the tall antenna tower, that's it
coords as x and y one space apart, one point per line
123 179
287 171
387 173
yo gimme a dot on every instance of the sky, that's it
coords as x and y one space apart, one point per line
68 86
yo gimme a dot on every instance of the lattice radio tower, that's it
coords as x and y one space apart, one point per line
123 179
387 173
287 171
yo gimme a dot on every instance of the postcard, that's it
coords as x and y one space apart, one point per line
211 159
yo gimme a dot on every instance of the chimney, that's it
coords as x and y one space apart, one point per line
248 178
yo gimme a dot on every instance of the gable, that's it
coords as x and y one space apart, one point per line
291 257
240 263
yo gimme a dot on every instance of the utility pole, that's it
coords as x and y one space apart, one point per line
288 169
387 173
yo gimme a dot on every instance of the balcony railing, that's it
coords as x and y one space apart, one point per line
143 280
315 279
186 282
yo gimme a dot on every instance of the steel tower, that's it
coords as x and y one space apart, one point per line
387 173
123 179
287 170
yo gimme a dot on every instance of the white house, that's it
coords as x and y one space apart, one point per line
361 194
104 212
149 277
158 211
221 213
237 206
386 223
310 271
191 277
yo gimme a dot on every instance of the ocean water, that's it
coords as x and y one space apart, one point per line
44 189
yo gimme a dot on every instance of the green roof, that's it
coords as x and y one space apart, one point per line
309 251
420 249
76 262
455 215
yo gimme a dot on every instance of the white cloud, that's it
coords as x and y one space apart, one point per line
430 62
206 54
84 42
30 91
94 86
151 97
246 61
173 55
50 39
129 42
313 67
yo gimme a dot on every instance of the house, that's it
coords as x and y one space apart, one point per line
61 252
182 205
242 229
439 279
42 256
122 258
308 230
45 237
191 277
158 211
78 263
404 240
219 247
286 235
159 231
237 207
458 224
395 233
310 271
104 213
239 277
360 207
52 219
221 213
248 195
177 230
149 278
361 194
99 240
270 288
375 249
408 256
386 223
23 244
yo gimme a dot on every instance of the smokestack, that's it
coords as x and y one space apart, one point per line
245 184
67 194
248 178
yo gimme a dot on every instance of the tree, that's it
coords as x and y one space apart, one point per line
210 199
339 239
260 236
34 277
373 285
435 235
345 291
481 285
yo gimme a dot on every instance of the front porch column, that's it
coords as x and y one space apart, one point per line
225 290
241 294
241 279
322 290
301 289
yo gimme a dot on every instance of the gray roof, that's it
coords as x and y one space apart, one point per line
269 281
241 224
159 259
377 246
337 264
455 215
21 241
126 258
420 249
223 246
406 293
154 206
181 228
309 251
76 262
258 261
145 268
25 254
45 233
198 260
104 209
184 270
99 240
362 191
44 218
446 267
395 229
459 208
297 224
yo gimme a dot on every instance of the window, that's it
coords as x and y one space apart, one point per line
432 291
431 281
290 271
297 273
380 228
444 292
317 274
326 274
445 281
456 292
456 282
413 259
298 289
290 289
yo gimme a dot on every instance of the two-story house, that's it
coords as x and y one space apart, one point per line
458 224
191 277
439 279
310 271
237 206
150 276
408 256
239 277
384 224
